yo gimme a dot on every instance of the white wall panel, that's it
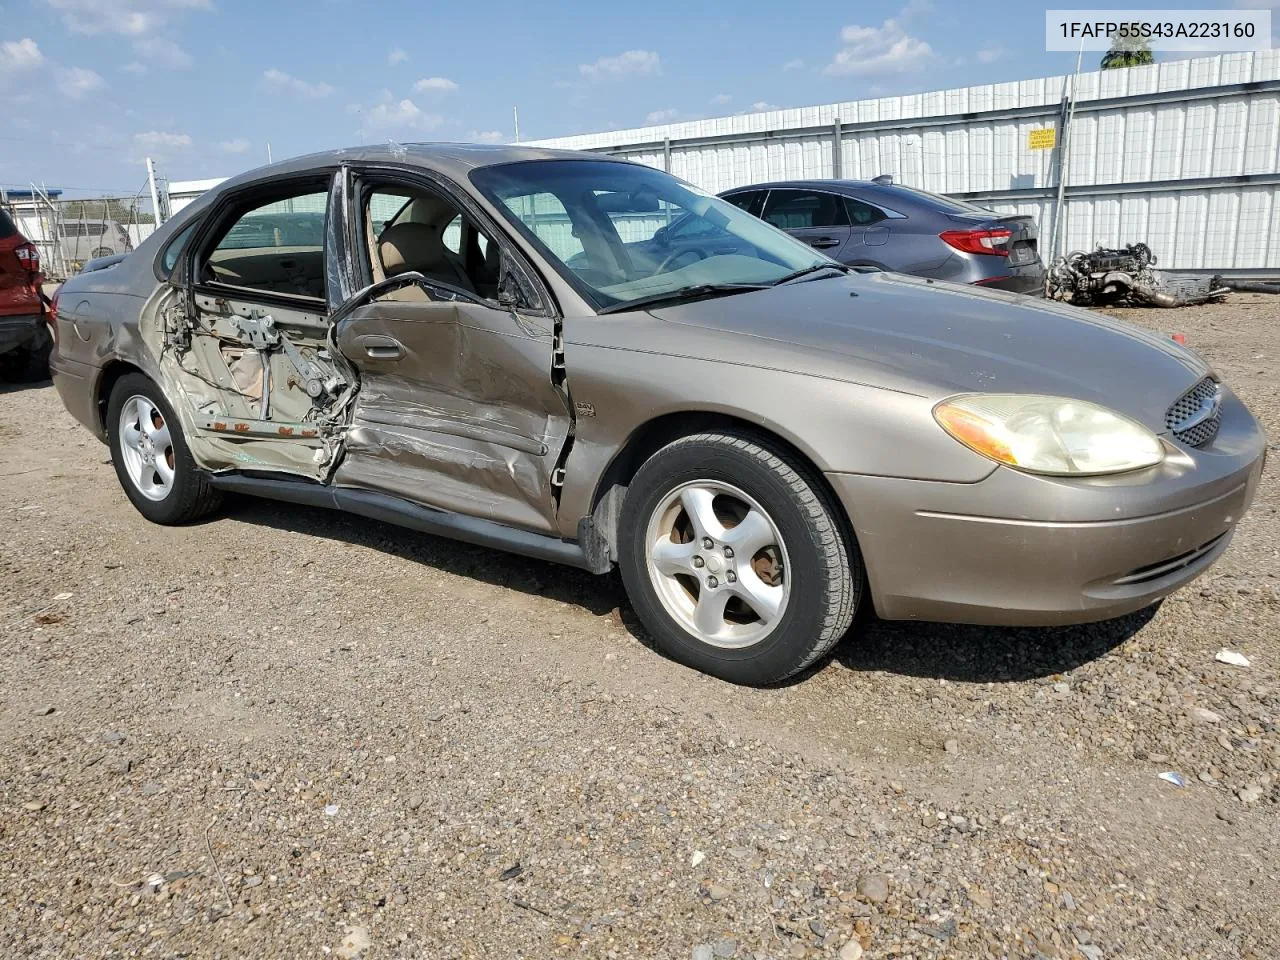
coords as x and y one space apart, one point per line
1198 226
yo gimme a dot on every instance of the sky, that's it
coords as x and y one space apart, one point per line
90 88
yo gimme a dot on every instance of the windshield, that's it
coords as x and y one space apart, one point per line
621 232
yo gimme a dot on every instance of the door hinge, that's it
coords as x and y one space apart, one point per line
557 478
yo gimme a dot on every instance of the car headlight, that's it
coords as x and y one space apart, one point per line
1052 435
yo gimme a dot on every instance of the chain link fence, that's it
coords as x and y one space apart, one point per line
70 233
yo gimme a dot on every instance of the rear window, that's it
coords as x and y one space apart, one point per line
7 229
945 204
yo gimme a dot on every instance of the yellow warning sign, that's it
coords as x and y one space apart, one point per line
1042 139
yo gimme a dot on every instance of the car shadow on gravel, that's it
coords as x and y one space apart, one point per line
935 650
10 386
598 595
982 654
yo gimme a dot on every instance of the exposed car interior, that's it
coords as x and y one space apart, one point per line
277 247
413 229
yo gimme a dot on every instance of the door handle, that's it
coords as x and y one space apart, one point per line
381 348
824 242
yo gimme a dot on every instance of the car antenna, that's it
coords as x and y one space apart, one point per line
885 179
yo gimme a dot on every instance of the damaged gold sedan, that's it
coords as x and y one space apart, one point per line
592 362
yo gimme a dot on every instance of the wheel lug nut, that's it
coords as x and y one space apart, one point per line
698 561
731 577
712 582
728 553
707 543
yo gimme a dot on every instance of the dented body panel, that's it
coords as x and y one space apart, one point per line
457 409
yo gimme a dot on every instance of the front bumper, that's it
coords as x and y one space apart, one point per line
18 331
1020 550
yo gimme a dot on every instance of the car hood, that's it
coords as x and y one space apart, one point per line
937 339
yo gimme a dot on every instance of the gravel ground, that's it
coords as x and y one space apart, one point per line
289 733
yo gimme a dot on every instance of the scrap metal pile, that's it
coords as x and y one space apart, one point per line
1126 276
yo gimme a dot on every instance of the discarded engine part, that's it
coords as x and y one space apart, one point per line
1252 286
1126 275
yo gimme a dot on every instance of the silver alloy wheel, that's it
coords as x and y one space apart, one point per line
146 447
718 563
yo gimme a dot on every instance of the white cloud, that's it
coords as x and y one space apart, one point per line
163 51
632 63
720 99
661 116
887 48
486 136
21 54
990 56
400 115
790 65
76 82
127 17
135 68
761 107
435 85
302 89
238 145
159 143
396 56
147 22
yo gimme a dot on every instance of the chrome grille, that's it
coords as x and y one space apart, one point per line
1195 416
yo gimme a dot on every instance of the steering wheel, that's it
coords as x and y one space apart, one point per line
671 258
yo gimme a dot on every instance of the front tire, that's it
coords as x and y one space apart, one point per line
734 558
151 458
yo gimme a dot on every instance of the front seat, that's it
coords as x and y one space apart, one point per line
417 246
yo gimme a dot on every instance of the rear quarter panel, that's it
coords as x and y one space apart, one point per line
98 324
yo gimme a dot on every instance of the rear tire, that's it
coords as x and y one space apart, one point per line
151 458
28 363
734 558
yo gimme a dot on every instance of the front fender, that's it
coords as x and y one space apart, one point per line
838 426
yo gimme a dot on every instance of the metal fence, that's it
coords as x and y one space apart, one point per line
69 233
1183 155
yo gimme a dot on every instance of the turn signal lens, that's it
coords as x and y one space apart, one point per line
1050 435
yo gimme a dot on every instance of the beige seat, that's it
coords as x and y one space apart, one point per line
417 246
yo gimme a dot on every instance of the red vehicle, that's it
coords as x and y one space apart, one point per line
24 335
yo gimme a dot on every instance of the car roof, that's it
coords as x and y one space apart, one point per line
862 188
454 160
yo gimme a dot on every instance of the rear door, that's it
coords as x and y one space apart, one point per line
816 217
256 370
462 403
